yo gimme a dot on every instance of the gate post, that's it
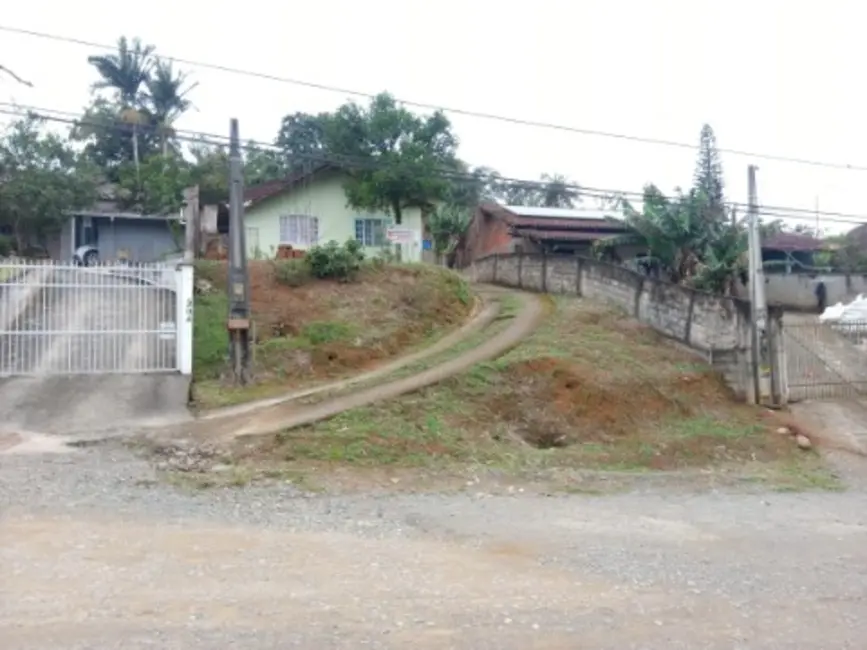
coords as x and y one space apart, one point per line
184 317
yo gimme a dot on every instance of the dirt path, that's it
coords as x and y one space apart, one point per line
288 415
485 314
94 553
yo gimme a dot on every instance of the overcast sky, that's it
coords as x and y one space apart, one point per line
783 78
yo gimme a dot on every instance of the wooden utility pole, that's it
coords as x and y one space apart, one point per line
239 280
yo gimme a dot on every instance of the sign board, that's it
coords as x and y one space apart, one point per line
167 331
426 244
398 235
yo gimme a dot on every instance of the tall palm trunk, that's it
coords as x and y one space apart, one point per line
135 151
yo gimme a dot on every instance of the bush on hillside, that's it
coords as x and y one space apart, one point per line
291 272
6 246
336 262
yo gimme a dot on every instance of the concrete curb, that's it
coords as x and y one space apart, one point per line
484 314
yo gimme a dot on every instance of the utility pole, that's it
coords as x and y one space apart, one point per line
239 281
191 223
758 304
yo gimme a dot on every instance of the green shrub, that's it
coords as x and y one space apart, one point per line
6 246
211 270
336 262
210 341
291 273
320 332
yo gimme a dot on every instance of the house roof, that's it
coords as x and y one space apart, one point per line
565 235
258 193
555 223
557 213
791 241
117 214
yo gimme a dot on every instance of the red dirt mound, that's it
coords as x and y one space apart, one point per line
554 403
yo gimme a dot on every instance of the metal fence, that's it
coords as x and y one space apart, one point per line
825 361
67 319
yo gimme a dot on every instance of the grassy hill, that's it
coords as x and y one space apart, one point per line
309 330
592 400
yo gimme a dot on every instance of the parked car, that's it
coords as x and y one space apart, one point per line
86 256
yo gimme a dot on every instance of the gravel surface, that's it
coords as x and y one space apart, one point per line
95 553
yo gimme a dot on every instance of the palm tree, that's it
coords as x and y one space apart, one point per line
558 192
166 98
680 243
125 72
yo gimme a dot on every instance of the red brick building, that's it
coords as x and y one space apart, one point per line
498 228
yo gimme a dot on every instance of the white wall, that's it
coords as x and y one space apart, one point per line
799 291
323 197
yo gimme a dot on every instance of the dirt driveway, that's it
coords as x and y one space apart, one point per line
95 554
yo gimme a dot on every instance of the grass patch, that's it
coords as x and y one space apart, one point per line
590 390
321 330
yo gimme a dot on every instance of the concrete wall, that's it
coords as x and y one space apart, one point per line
323 197
715 326
798 291
137 240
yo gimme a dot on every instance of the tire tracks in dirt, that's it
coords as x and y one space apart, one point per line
288 415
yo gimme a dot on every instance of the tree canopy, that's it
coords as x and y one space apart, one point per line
41 178
392 159
688 238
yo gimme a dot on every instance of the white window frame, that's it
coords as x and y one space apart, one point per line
299 230
368 239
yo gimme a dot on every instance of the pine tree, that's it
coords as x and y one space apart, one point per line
708 171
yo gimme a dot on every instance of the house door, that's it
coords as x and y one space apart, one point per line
86 232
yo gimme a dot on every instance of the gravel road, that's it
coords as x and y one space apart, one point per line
94 553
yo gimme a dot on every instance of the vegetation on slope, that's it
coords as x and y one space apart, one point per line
591 390
309 330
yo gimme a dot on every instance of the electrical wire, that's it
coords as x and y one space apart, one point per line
447 109
612 196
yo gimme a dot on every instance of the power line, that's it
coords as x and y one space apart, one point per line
448 109
611 195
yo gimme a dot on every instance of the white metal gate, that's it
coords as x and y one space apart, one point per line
111 318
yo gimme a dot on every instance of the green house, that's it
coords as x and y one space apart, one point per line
310 207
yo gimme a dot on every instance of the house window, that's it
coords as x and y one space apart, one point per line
299 230
370 232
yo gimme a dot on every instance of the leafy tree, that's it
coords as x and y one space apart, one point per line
302 138
262 165
446 224
394 158
107 138
125 74
551 191
158 186
470 186
680 246
209 168
41 178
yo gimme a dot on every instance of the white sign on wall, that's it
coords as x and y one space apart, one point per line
399 235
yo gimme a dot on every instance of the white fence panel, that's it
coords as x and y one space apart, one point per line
110 318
